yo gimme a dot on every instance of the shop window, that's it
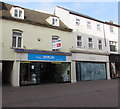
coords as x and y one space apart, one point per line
90 43
17 39
79 41
90 71
113 46
100 44
32 73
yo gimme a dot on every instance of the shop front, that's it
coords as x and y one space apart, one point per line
90 71
45 68
44 72
91 66
114 65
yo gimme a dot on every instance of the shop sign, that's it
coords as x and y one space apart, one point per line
57 44
46 57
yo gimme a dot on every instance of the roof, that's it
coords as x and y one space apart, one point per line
31 17
88 17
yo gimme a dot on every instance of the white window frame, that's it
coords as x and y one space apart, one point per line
100 45
79 42
113 43
111 29
90 43
17 39
77 21
88 24
17 12
98 27
55 21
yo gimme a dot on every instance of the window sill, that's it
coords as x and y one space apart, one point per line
81 47
16 48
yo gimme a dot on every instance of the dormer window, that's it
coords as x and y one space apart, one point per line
55 21
17 12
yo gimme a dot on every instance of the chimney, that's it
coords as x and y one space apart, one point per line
111 22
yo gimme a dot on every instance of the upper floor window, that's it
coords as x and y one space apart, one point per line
17 39
79 41
17 12
55 21
100 44
90 43
88 24
113 46
77 22
111 29
98 26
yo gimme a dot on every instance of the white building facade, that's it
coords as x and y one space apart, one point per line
112 34
90 50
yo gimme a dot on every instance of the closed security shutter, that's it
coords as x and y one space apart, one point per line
91 71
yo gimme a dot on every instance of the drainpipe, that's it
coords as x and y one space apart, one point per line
104 35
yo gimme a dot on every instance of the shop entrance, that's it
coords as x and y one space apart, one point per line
44 72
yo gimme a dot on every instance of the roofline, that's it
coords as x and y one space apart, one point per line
79 14
29 9
112 24
37 24
88 17
33 22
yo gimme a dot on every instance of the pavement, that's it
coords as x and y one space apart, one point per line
99 93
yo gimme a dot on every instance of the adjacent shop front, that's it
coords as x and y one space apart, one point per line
114 65
40 67
91 67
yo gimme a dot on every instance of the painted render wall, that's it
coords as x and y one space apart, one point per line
30 35
0 39
85 48
84 31
111 36
118 40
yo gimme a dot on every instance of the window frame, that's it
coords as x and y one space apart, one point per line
90 43
100 45
98 27
113 44
79 41
15 43
111 29
77 22
18 13
88 24
55 21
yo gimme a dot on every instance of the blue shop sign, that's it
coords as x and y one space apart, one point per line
46 57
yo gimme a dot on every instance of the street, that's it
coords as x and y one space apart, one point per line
99 93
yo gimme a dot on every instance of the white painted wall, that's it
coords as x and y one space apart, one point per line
0 39
84 31
0 84
111 36
31 33
118 40
15 76
73 72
